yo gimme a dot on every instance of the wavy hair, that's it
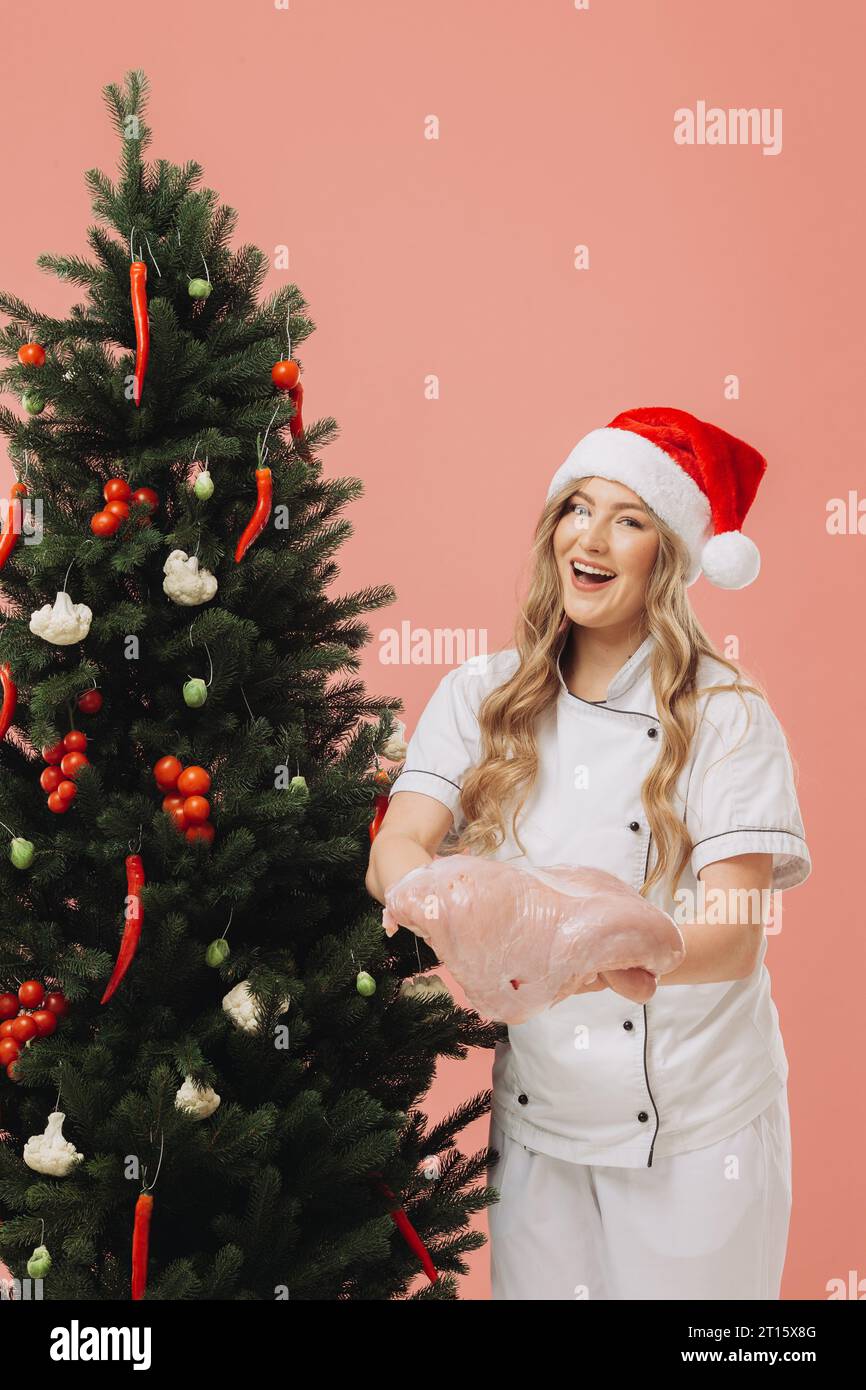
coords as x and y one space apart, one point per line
507 769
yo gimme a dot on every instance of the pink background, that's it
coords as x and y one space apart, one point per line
454 257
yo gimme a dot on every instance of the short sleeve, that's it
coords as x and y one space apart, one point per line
742 795
446 741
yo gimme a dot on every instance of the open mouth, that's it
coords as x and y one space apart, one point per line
590 576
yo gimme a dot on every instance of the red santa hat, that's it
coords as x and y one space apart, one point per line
698 478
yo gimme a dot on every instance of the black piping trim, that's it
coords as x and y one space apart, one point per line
426 774
646 1035
752 829
597 704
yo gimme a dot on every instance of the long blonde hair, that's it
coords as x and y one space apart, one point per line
508 765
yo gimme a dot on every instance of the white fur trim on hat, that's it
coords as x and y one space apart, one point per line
730 560
624 457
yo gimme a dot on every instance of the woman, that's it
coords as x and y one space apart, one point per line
644 1151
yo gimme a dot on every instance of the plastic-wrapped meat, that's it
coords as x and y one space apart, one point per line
519 939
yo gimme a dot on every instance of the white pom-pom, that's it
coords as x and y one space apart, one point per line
730 560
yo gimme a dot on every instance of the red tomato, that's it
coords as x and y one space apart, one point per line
12 1070
57 1002
9 1005
196 809
117 490
72 763
172 802
75 741
193 780
118 508
204 832
9 1050
31 994
90 702
104 523
286 374
46 1022
23 1029
54 753
67 791
31 355
178 816
56 804
5 1026
147 496
167 771
51 779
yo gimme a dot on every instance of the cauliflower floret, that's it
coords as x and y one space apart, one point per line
184 582
65 623
50 1152
199 1102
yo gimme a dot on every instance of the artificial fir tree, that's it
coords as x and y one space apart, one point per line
157 433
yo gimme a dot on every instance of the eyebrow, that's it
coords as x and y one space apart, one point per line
615 507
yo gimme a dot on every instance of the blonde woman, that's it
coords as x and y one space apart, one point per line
644 1150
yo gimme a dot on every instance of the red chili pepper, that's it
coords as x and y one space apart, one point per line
138 293
408 1232
10 698
12 529
261 512
134 918
141 1243
296 424
381 804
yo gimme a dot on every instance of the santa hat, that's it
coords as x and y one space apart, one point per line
698 478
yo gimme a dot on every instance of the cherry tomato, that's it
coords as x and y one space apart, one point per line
72 763
56 804
75 741
67 791
147 496
5 1027
118 508
54 753
204 832
196 809
167 771
117 490
90 702
31 355
12 1070
31 994
23 1029
46 1022
51 779
193 780
9 1050
178 816
104 523
173 802
9 1005
57 1002
286 374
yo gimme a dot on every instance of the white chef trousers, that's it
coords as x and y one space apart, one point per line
708 1224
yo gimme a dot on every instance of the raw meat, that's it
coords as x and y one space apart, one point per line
519 939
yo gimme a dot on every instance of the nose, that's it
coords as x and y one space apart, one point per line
591 532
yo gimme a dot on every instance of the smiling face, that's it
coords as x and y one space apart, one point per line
605 526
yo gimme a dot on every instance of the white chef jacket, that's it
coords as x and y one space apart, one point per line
596 1078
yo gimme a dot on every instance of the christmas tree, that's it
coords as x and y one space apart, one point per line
212 1056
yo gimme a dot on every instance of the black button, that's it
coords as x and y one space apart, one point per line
524 1100
634 825
628 1023
652 733
642 1115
